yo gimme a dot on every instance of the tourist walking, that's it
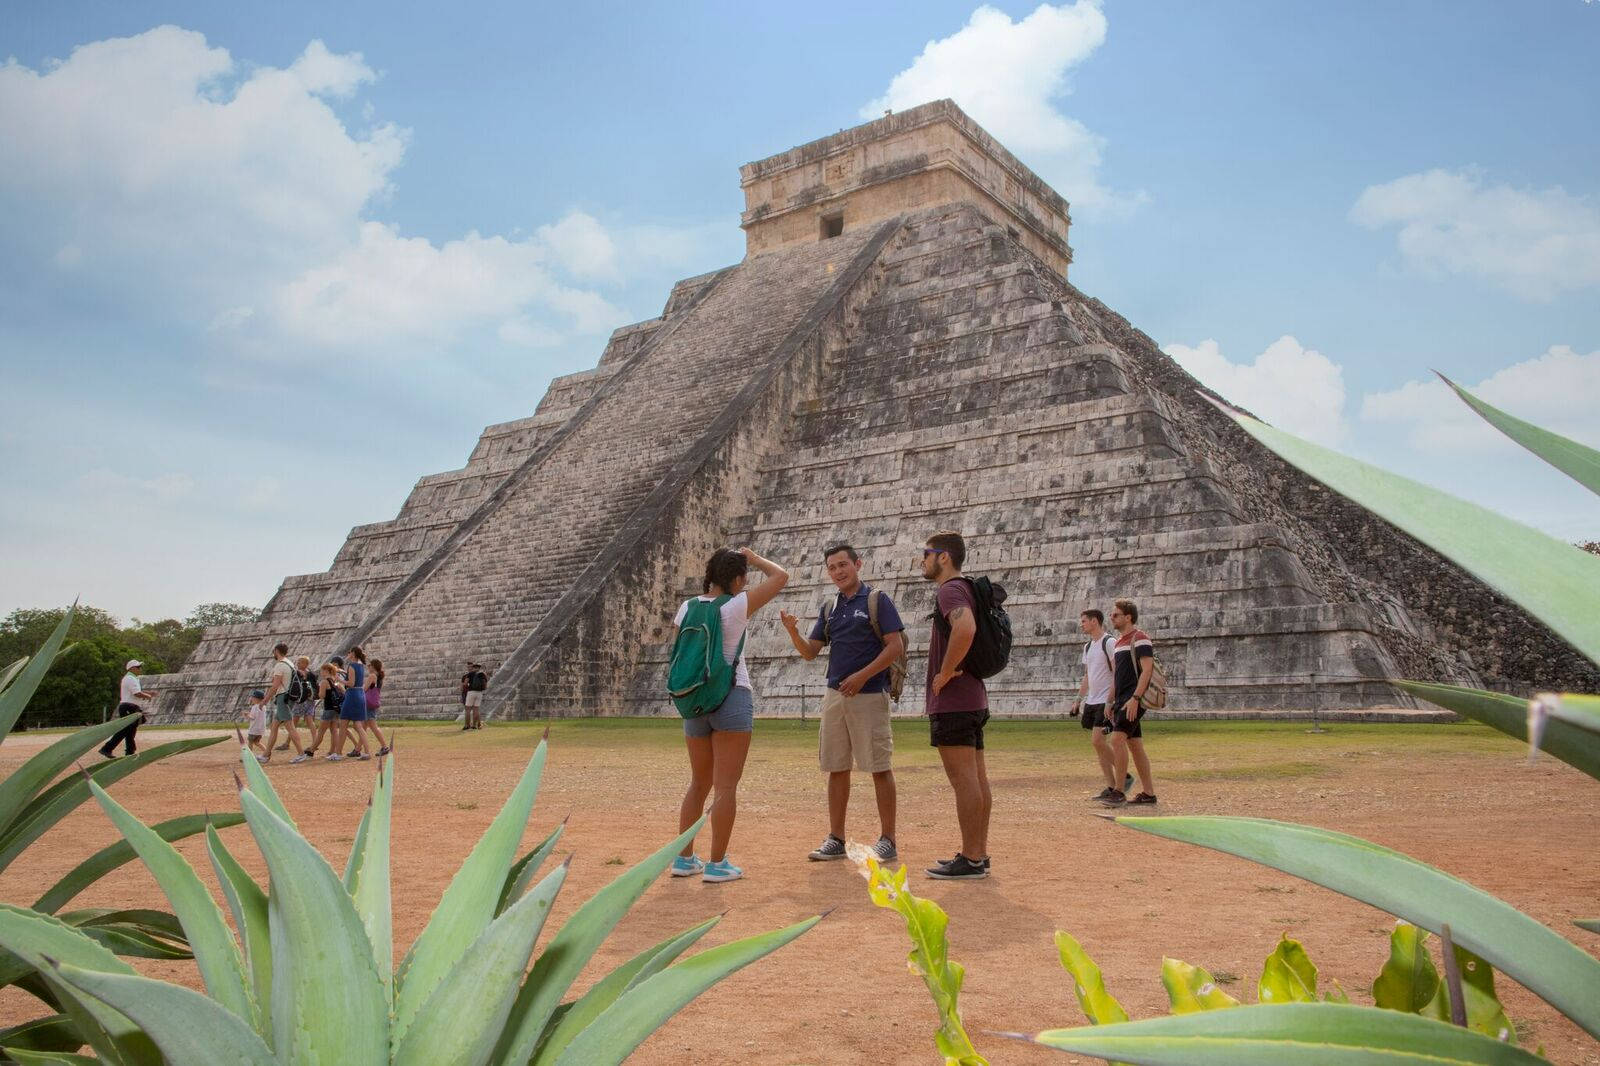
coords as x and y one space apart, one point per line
1135 658
353 708
718 742
132 699
330 693
256 721
279 701
374 699
306 705
474 684
1094 693
865 639
957 705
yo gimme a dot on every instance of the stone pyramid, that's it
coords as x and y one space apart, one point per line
899 352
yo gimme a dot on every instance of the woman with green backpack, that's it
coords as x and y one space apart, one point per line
711 688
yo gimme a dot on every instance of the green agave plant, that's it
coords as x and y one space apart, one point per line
32 802
310 977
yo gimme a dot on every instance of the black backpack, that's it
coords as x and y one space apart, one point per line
301 688
991 644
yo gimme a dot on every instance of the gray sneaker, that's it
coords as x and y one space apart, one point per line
832 848
884 850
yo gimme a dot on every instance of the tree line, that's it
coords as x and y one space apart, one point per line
82 685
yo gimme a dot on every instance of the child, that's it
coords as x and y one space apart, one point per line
258 720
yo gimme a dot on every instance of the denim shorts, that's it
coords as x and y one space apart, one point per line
736 715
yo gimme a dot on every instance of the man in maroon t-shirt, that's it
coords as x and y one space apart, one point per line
957 706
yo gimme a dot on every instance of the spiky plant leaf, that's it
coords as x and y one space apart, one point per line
1192 988
1591 924
358 848
112 856
15 696
24 783
1288 976
1509 715
9 674
371 893
521 874
462 1020
248 903
1408 981
1559 972
27 1057
1579 462
256 779
624 1025
216 953
54 1032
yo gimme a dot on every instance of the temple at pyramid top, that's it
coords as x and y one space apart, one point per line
929 156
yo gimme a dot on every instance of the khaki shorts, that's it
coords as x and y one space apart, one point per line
474 699
856 724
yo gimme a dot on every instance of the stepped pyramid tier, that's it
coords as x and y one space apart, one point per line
899 352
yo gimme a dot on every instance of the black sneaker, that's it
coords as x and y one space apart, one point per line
1116 799
984 862
832 848
959 868
107 754
1143 797
1106 793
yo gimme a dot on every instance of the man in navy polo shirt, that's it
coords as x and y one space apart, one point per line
855 711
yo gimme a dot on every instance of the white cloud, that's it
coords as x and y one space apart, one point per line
1291 386
581 245
1556 390
1008 75
116 490
1536 243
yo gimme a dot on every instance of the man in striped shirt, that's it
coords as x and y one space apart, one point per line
1134 657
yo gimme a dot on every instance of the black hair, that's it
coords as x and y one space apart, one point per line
1093 612
357 655
281 648
948 540
835 549
723 568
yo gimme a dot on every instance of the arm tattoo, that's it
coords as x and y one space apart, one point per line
958 614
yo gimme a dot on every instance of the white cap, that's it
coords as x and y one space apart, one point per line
132 663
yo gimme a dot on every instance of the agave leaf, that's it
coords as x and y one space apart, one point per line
352 863
9 674
624 1025
53 1033
1574 709
250 916
26 1057
1099 1006
521 874
1509 715
568 1022
256 779
1591 924
159 923
216 953
1557 971
18 692
462 1020
322 960
371 895
1192 988
109 858
1555 582
34 939
1484 1012
24 783
186 1026
133 942
1290 1034
467 906
1288 975
1408 981
1577 461
570 949
63 797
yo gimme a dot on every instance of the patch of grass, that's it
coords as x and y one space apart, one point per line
466 806
1253 771
615 860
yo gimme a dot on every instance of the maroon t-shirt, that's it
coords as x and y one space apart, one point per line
964 692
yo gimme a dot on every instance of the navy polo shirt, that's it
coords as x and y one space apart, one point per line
849 630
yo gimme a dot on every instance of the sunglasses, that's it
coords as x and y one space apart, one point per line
931 551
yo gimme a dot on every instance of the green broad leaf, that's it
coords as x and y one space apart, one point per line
256 779
1509 715
1591 924
1099 1006
248 903
14 698
1579 462
1555 582
35 938
1290 1034
136 943
566 1024
468 904
1408 981
1192 988
9 674
26 1057
1484 1012
64 797
641 1010
1559 972
159 923
371 892
186 1026
569 951
24 783
322 964
53 1033
352 862
521 874
1336 994
216 953
462 1020
109 858
1288 976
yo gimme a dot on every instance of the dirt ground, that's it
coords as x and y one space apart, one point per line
1457 796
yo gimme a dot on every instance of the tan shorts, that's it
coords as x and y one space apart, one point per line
856 724
474 699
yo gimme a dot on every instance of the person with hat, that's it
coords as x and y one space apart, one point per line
128 707
473 686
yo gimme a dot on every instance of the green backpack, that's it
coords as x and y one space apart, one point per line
700 678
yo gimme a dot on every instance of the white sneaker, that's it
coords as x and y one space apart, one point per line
302 757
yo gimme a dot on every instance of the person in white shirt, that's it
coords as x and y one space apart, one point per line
131 702
1094 692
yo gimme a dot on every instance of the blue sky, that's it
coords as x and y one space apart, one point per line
261 268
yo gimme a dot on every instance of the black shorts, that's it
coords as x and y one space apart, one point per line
1094 715
957 729
1119 722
